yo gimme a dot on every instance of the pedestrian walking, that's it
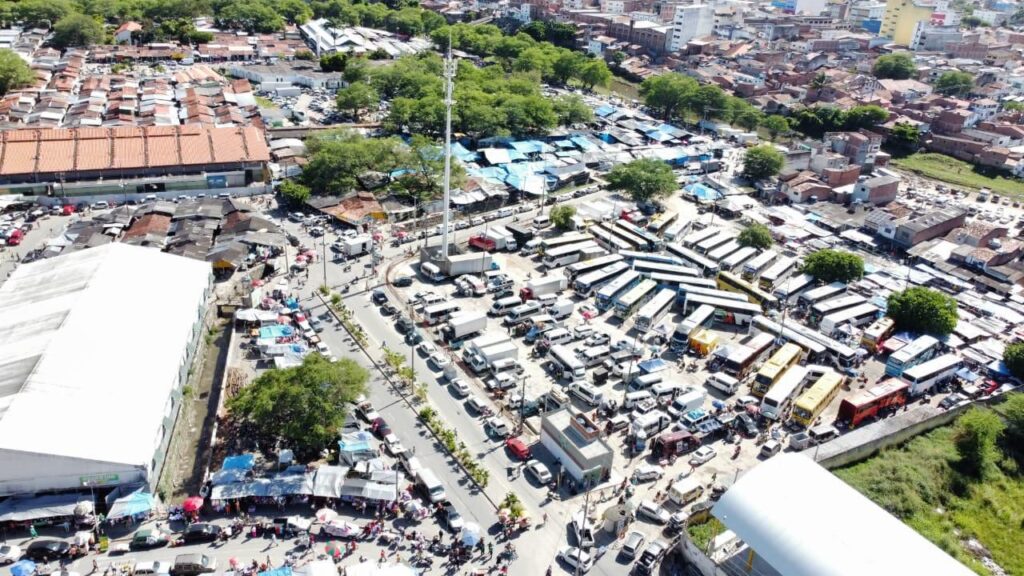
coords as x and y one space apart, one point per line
273 539
32 531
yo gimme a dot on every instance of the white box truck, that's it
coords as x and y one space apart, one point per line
357 245
464 324
537 287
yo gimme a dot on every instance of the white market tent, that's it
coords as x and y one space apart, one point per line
804 521
92 345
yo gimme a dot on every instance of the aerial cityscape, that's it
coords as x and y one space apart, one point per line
525 287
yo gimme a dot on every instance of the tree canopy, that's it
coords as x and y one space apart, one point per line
77 30
899 66
1013 413
302 408
643 180
675 97
14 72
904 136
756 236
975 435
816 120
762 162
834 266
775 125
294 193
357 97
561 216
954 83
923 310
1013 356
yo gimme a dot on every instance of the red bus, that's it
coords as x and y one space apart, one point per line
866 404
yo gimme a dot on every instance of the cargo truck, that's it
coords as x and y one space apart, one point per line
492 239
544 285
522 234
464 325
357 245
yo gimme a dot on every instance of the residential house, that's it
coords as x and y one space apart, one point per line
928 226
878 191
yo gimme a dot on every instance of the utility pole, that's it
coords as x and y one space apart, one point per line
586 513
449 88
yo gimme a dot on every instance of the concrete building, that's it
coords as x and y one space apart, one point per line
904 20
928 226
879 190
95 347
574 439
689 22
808 7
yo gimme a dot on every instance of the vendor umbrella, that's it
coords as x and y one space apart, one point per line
23 568
333 549
470 534
192 504
325 514
233 562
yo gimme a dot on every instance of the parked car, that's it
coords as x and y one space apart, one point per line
652 511
193 565
460 387
632 544
651 557
9 553
576 559
393 444
47 550
148 538
539 471
440 361
452 518
388 310
288 526
402 281
518 448
952 400
497 427
200 532
379 297
426 348
647 473
745 424
380 427
702 455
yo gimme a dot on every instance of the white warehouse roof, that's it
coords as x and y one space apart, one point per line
804 521
91 346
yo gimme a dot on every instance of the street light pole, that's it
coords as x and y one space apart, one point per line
324 238
522 404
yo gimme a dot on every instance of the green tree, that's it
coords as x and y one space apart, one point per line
250 16
864 117
514 505
566 66
1013 413
775 125
77 30
294 11
42 12
644 180
14 72
356 97
756 236
571 109
923 310
1013 106
819 83
338 157
666 94
561 216
954 83
975 435
971 22
333 62
1013 356
356 70
749 119
305 55
595 73
762 162
899 66
423 161
904 136
293 193
834 266
301 408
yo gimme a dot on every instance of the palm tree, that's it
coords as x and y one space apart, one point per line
819 83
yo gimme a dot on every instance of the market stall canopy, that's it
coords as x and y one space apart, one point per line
23 508
23 568
282 571
192 504
317 568
135 503
239 462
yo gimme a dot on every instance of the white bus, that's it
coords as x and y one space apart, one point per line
672 232
712 242
573 271
653 241
634 256
562 239
572 368
923 377
790 288
748 354
647 267
721 253
780 396
702 317
737 258
920 350
758 264
814 351
609 241
439 313
566 254
711 293
727 311
702 263
637 296
815 295
635 241
777 273
865 313
697 236
662 222
590 282
607 294
833 305
655 309
679 282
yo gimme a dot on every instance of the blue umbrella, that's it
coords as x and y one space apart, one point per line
717 404
470 534
23 568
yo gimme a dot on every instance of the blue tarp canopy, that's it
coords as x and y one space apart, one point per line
239 462
967 375
998 368
583 142
276 331
23 568
564 143
358 442
464 154
282 571
138 502
653 365
531 147
22 508
604 110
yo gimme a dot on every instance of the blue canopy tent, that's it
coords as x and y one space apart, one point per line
138 502
282 571
239 462
23 568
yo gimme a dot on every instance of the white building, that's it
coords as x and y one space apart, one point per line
95 347
689 22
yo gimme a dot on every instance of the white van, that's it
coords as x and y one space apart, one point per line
587 393
522 312
541 221
503 305
506 212
666 391
594 356
724 383
546 300
646 381
504 365
685 491
431 485
634 398
652 422
558 336
531 247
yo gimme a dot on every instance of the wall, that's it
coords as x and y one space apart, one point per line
121 198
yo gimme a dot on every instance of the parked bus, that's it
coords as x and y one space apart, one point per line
753 269
590 282
571 367
731 282
637 242
876 334
674 230
573 271
815 295
790 288
837 353
654 310
634 256
697 236
721 253
926 375
686 290
653 241
567 254
702 317
647 267
662 222
922 349
727 311
636 297
815 351
853 317
679 282
812 403
439 313
772 278
707 266
561 240
775 402
609 241
785 358
748 354
833 305
607 294
712 242
736 260
888 396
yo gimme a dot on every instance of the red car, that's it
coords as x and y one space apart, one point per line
989 386
15 238
518 448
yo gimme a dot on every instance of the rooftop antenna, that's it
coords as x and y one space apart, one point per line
449 87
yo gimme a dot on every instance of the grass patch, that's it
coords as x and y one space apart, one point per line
917 483
959 173
264 102
702 534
